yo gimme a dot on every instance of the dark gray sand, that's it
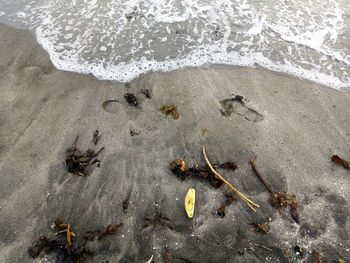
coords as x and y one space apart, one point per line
291 126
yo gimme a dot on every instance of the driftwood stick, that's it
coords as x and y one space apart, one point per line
249 202
252 162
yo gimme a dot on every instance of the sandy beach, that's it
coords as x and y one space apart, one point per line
291 126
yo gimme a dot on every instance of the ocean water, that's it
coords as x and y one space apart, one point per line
122 39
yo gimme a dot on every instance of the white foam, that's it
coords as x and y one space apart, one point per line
122 39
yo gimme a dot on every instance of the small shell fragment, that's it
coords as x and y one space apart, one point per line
190 200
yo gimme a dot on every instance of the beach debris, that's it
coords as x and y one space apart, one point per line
252 162
341 260
150 260
131 99
294 212
336 159
111 229
190 201
134 133
44 244
147 93
81 163
280 199
127 85
229 198
283 200
239 98
96 137
204 131
66 244
157 219
317 256
261 227
236 105
179 169
168 256
242 196
125 205
298 251
66 250
170 110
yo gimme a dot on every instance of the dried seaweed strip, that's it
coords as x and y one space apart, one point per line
226 165
336 159
252 162
111 229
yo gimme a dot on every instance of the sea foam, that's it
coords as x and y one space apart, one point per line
122 39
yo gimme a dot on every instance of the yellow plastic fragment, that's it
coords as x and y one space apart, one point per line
190 201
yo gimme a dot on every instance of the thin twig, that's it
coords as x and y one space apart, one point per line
252 162
249 202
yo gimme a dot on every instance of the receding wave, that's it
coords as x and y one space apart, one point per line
122 39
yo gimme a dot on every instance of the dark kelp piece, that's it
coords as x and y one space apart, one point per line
147 93
317 256
157 219
229 200
125 205
178 167
44 244
226 165
96 137
170 110
79 163
111 229
131 99
336 159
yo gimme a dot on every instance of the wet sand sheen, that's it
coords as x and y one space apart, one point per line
291 126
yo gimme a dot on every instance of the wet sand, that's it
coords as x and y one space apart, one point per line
292 127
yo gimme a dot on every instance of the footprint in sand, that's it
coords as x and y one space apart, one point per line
237 106
112 106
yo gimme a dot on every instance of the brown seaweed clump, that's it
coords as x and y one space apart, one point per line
81 163
68 246
170 110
